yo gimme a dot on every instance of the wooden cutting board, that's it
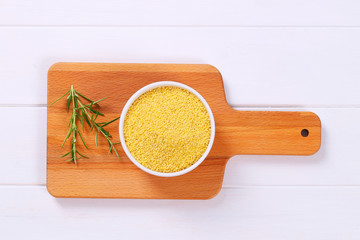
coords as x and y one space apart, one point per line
106 176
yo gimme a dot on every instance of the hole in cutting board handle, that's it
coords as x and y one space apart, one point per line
304 132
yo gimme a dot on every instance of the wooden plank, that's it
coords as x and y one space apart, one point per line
23 145
186 12
336 163
260 67
251 213
237 132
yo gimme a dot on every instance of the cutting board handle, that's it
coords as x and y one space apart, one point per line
269 132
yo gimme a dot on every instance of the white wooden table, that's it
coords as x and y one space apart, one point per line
274 55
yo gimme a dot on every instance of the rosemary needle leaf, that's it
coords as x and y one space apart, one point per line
81 154
96 135
96 112
95 103
106 133
92 127
67 136
82 140
66 154
70 122
81 120
68 104
105 124
86 119
59 98
84 97
116 152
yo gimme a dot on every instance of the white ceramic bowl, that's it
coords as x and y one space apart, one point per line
148 88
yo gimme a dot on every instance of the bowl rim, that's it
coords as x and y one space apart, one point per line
147 88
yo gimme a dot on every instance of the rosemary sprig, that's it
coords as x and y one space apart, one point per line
84 113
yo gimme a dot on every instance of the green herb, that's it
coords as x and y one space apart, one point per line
84 113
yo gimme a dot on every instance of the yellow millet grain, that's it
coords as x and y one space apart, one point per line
167 129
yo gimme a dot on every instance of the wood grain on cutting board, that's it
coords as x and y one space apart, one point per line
106 176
